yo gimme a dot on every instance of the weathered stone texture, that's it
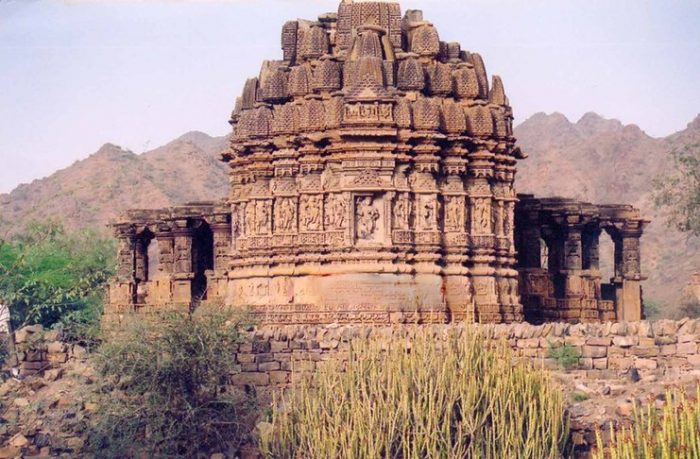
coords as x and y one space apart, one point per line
372 181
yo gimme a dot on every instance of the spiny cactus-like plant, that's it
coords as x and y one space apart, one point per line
438 397
673 432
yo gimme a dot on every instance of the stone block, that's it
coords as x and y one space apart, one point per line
645 351
694 360
262 358
56 347
575 340
619 363
687 348
279 346
249 367
599 341
585 363
600 364
269 366
645 364
668 349
625 341
255 379
58 358
245 358
303 365
595 352
688 338
279 377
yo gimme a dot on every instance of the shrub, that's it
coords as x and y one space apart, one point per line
172 396
566 355
441 398
47 274
672 433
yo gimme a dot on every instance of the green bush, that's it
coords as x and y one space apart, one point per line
49 276
565 355
672 433
172 397
443 398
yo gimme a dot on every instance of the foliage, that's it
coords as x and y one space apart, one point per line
443 397
679 190
565 355
673 433
171 376
653 311
689 308
48 275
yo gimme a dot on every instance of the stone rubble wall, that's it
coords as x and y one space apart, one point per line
277 356
40 351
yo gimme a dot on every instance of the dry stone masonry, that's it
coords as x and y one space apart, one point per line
372 181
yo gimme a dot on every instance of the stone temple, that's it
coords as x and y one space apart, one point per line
372 181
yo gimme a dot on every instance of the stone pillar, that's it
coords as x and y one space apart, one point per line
217 279
141 260
591 248
182 273
123 290
629 303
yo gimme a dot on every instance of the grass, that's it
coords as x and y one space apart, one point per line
443 397
673 432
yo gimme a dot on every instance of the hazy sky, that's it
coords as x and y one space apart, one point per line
74 75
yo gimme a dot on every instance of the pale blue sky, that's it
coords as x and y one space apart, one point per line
74 75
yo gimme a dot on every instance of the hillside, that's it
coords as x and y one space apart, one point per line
594 159
604 161
111 180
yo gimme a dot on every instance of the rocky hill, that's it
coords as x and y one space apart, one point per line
594 159
91 191
603 161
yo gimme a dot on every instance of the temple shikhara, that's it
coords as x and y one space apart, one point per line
372 181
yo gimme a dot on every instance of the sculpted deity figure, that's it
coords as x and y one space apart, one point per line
286 215
367 216
312 212
337 212
429 212
263 217
483 216
236 222
401 212
452 213
249 223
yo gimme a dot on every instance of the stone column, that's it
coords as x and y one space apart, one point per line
629 303
182 272
217 281
123 290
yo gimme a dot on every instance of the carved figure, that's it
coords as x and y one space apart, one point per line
286 214
402 212
263 217
453 213
429 213
312 206
367 216
336 212
249 218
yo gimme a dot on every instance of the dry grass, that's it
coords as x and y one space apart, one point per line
673 432
447 397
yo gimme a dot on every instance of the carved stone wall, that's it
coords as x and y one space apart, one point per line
372 177
372 181
567 285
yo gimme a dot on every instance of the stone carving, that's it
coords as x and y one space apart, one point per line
429 213
402 212
312 210
454 208
336 212
372 168
366 216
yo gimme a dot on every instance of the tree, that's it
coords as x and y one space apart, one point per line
48 275
678 191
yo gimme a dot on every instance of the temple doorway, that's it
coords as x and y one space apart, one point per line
202 260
